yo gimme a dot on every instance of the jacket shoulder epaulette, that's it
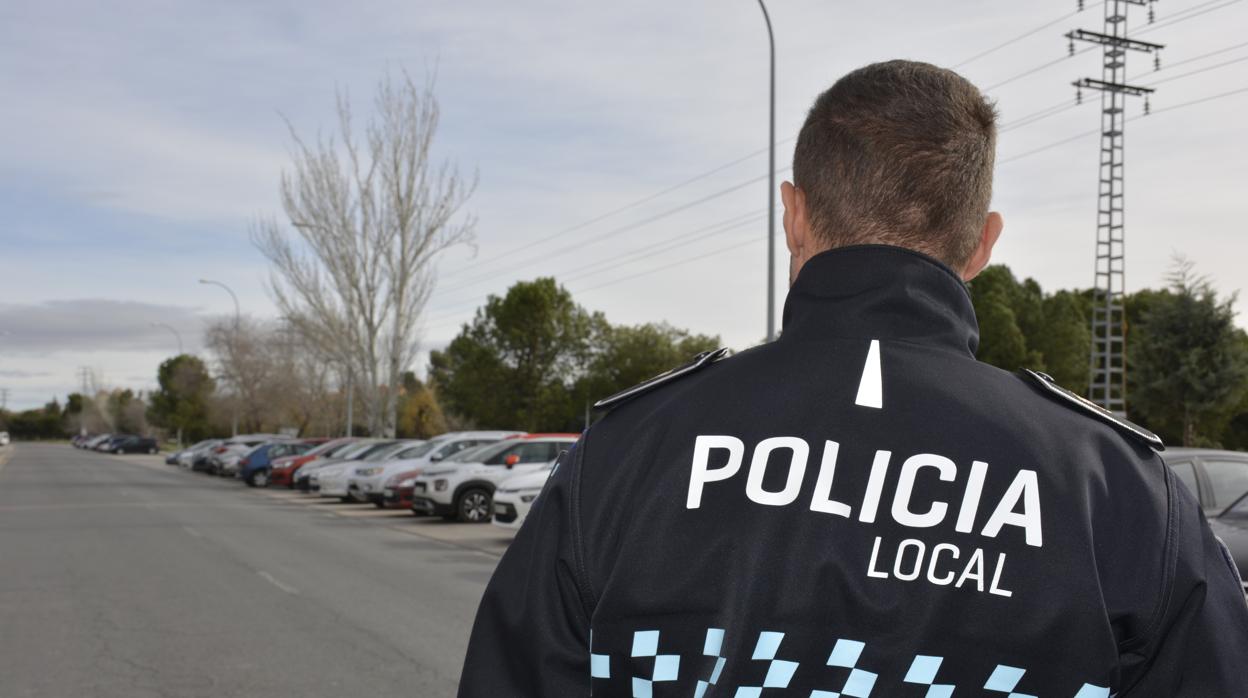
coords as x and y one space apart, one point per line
1051 388
698 362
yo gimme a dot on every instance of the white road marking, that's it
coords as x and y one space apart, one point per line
870 388
275 582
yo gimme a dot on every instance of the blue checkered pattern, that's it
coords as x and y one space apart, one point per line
779 672
846 653
859 684
1005 679
923 671
666 666
713 647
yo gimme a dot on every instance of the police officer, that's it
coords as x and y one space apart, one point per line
860 508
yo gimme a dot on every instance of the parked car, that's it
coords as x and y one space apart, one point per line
177 457
133 444
282 474
515 496
225 458
465 491
358 451
1219 481
368 481
197 460
107 445
332 481
94 441
398 488
254 467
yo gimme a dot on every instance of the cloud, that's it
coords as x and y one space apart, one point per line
94 325
24 374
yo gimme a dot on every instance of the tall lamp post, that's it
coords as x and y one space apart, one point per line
177 335
237 320
771 187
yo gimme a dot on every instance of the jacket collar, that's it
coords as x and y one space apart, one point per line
881 292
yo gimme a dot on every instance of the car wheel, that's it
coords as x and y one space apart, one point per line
260 479
379 505
474 506
151 451
119 451
346 499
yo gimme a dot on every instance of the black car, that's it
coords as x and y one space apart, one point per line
134 444
1219 479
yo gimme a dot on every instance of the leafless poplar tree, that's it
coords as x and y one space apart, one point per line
368 218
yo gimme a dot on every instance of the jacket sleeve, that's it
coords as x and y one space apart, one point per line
531 635
1200 648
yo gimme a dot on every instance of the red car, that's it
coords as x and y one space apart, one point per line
284 469
398 491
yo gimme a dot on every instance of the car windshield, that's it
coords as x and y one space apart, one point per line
354 450
481 453
374 450
326 448
340 449
421 450
391 452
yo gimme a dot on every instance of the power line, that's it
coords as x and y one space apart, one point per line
626 207
1193 59
1012 158
1181 16
623 229
1197 72
1024 35
665 267
1155 112
717 228
645 252
1066 105
1184 15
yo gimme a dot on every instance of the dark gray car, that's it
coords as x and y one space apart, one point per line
1219 479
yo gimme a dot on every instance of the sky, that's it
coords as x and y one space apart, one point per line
139 142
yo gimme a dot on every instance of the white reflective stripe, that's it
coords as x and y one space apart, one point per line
870 387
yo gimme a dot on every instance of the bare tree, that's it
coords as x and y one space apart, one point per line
278 381
368 218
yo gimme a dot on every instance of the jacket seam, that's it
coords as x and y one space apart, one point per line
583 584
1170 560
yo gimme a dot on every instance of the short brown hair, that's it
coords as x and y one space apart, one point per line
899 153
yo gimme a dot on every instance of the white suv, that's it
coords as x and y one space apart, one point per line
465 490
367 481
515 496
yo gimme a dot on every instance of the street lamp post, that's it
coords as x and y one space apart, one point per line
176 334
771 187
237 320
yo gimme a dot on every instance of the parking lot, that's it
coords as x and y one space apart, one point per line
128 577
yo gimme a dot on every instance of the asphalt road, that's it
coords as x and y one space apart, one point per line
124 577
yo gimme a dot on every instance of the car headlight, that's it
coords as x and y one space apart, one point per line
439 485
527 498
409 482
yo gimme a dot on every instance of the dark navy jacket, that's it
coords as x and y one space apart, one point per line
862 509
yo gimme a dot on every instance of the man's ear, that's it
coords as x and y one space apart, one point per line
796 220
983 252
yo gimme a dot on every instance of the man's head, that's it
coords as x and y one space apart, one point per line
896 153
